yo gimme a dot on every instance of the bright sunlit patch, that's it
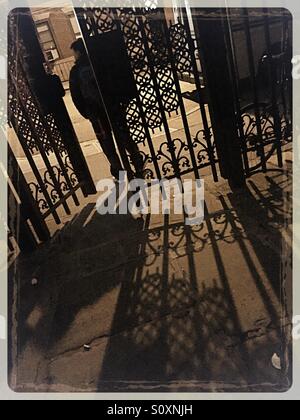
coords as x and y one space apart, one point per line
34 317
2 68
3 255
2 328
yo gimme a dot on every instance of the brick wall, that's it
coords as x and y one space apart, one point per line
62 32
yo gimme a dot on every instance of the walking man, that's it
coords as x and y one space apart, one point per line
87 99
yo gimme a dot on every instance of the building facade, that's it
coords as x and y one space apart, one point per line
57 29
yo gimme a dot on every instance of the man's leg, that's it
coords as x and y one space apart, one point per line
106 141
129 144
136 156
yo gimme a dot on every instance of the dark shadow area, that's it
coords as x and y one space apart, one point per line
172 328
195 96
187 335
273 209
73 271
177 322
246 95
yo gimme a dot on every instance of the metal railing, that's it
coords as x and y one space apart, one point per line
63 67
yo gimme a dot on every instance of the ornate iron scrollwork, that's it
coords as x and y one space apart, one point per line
37 132
158 56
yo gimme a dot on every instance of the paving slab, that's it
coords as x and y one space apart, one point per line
162 306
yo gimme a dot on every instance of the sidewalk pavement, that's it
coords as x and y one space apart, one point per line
87 138
84 129
124 304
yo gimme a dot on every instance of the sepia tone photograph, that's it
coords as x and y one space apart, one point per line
149 177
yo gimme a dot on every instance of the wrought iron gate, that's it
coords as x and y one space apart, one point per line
239 138
160 55
233 130
37 114
264 103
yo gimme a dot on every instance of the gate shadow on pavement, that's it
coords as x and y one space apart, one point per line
184 330
79 266
179 308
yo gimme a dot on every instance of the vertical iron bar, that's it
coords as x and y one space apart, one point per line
254 88
207 130
65 126
235 78
272 74
60 161
179 94
27 32
282 67
28 204
285 76
18 225
157 90
115 130
140 105
209 28
44 155
35 170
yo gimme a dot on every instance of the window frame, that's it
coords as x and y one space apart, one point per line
53 51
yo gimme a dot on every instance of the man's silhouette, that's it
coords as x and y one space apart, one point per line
88 101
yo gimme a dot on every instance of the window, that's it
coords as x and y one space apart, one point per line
47 42
75 26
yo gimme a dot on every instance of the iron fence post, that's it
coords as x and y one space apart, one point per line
210 34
